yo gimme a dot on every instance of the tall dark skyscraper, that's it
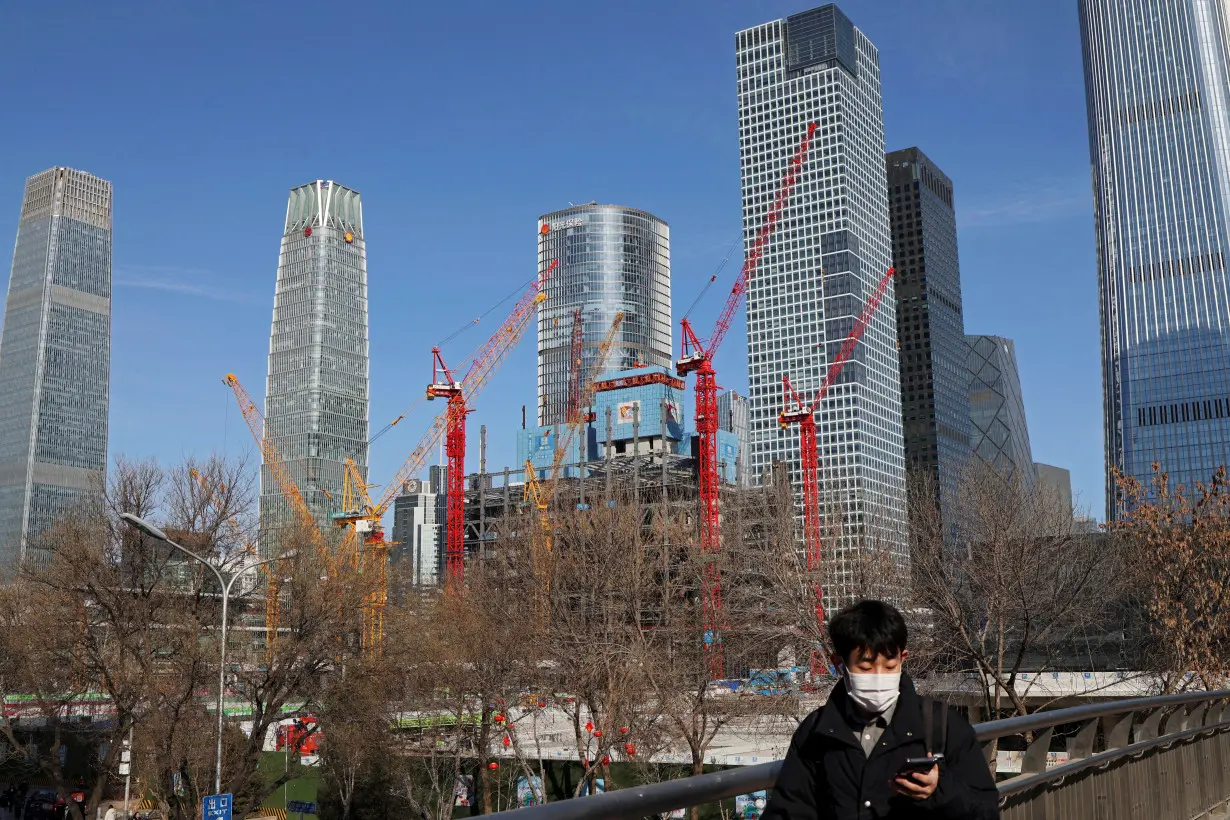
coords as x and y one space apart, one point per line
830 248
55 356
930 327
1157 89
316 397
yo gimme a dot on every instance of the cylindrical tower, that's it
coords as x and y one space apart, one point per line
611 259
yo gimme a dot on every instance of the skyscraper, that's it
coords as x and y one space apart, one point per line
930 327
997 407
55 349
732 417
316 399
610 259
419 515
1158 99
829 250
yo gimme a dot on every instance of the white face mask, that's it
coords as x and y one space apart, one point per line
874 694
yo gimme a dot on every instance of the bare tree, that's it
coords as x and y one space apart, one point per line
98 619
1179 539
1005 581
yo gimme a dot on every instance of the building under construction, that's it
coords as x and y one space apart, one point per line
633 445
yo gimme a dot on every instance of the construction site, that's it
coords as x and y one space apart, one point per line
619 437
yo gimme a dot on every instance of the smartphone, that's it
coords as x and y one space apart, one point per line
918 764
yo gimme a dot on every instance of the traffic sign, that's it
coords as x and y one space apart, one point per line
301 807
217 807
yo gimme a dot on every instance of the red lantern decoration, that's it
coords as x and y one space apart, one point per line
606 760
597 733
493 765
542 704
498 718
623 730
629 748
589 727
507 740
307 231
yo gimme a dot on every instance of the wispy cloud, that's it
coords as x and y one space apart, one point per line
196 282
1042 201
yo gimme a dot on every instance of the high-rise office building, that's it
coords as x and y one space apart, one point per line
55 364
930 327
830 248
419 516
1157 86
316 399
732 417
610 259
1056 481
997 408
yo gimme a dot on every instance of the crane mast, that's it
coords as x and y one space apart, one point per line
460 393
698 359
803 414
576 375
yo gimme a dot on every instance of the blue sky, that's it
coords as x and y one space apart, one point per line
460 123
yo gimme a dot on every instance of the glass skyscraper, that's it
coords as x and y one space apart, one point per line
930 327
997 408
316 398
830 248
55 361
1158 99
610 259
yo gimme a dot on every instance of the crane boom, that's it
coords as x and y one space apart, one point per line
273 459
484 362
803 414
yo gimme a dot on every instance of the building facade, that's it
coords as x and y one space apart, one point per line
997 408
732 417
1056 481
610 259
830 248
419 516
316 398
55 365
930 325
1157 85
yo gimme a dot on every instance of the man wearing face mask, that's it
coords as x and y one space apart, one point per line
848 759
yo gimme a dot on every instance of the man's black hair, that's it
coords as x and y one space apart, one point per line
872 625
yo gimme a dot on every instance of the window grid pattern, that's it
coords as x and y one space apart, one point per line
316 399
1158 98
997 408
930 326
54 355
610 259
830 247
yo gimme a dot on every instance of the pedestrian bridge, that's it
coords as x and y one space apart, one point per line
1160 758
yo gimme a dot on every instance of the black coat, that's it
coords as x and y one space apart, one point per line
827 776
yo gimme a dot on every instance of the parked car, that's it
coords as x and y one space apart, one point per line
44 804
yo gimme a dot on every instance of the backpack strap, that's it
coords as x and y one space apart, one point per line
930 706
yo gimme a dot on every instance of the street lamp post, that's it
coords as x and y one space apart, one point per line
225 583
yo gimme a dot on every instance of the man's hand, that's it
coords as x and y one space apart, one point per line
918 785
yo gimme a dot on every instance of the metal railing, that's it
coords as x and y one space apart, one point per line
1163 758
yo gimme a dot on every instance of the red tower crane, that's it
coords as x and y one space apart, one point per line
458 393
576 380
698 358
804 414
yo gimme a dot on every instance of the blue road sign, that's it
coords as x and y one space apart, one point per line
301 807
216 807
